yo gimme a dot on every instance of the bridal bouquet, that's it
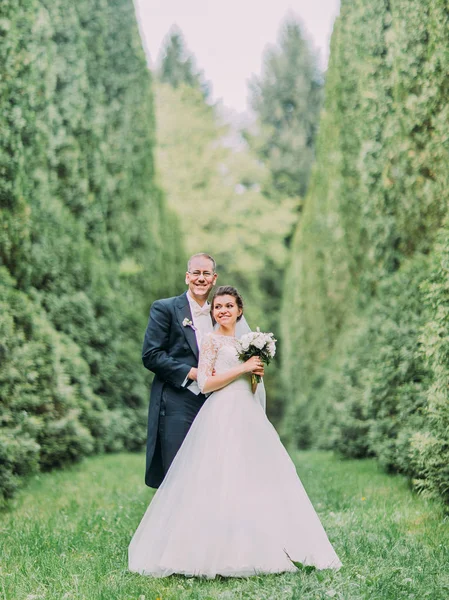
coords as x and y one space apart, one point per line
256 343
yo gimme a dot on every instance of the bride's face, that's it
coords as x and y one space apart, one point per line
226 310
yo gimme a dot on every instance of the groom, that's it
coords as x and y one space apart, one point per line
170 350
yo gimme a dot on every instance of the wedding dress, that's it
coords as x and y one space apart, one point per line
231 503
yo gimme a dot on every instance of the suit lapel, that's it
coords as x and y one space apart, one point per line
183 312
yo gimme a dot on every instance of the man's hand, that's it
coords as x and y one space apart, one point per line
193 374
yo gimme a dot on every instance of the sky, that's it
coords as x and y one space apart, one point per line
228 38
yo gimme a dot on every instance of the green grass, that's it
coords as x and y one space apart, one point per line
66 537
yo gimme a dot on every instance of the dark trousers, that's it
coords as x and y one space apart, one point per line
178 411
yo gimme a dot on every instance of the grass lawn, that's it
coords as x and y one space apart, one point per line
66 537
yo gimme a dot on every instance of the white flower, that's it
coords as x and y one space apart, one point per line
246 339
188 323
259 342
245 345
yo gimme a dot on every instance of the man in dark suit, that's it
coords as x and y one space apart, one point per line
170 350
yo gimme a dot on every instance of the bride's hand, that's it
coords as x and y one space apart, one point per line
254 365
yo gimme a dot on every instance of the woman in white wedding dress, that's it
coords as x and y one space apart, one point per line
231 503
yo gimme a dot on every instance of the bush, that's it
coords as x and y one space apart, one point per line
18 458
430 445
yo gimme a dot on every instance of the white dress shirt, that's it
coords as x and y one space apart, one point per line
203 324
201 319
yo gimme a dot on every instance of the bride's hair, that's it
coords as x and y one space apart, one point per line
228 290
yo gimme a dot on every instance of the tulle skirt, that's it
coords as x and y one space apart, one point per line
231 503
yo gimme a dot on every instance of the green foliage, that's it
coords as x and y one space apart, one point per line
177 64
368 398
44 386
359 291
430 446
84 231
287 99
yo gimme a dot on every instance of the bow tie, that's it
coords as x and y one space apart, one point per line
198 311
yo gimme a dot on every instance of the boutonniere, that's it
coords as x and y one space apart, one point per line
188 323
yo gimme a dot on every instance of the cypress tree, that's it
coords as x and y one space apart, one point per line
287 99
364 321
86 239
177 64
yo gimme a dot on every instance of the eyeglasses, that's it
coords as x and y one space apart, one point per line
205 274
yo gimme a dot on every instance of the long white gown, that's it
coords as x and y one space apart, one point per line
231 503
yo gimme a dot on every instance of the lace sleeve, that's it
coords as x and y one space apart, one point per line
208 354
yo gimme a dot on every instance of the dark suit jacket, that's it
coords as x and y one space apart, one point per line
169 351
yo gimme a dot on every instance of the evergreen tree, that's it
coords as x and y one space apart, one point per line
365 318
177 64
86 239
287 99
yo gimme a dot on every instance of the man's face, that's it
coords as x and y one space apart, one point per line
200 278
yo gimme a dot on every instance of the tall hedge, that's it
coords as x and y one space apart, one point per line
364 318
86 239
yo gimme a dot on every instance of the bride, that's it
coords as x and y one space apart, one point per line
231 503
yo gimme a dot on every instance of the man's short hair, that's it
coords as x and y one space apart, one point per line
202 255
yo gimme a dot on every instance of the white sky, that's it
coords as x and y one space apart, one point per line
228 37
